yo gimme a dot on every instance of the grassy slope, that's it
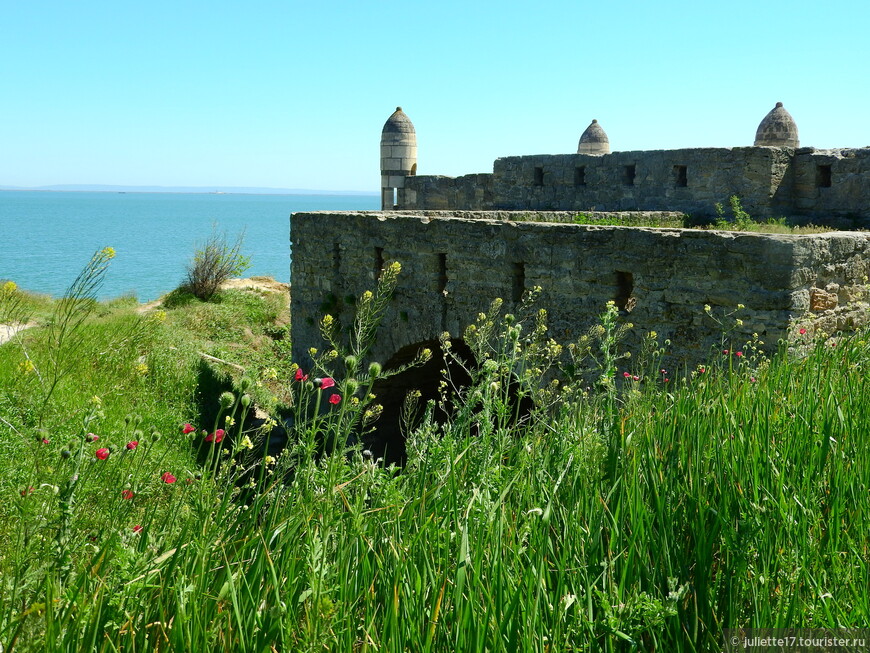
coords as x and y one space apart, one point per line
658 515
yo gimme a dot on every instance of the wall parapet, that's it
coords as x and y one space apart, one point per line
824 185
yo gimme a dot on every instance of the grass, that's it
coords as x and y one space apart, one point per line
739 220
624 513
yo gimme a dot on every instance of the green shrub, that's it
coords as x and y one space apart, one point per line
214 263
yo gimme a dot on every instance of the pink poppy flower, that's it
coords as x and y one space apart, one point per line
45 440
188 428
168 477
217 436
802 331
335 400
300 376
132 444
739 354
127 494
627 375
327 382
91 437
102 454
725 351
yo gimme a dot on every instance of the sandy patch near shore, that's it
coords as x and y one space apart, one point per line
8 331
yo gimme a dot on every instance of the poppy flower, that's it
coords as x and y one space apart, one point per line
137 528
627 375
45 440
132 444
91 437
802 331
188 428
102 454
168 477
127 494
29 490
335 400
217 436
739 354
327 382
300 376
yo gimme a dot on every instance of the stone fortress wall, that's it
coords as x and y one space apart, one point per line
455 263
464 241
773 178
771 182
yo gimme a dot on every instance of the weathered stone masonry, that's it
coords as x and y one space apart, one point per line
454 264
464 241
817 185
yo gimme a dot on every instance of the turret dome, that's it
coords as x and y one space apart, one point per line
593 140
398 123
778 129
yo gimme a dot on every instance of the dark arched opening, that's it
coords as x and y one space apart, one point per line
387 441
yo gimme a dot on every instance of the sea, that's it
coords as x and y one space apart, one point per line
47 237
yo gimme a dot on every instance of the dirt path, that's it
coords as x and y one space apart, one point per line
259 284
8 331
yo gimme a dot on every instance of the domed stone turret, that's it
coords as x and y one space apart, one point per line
778 129
593 140
398 158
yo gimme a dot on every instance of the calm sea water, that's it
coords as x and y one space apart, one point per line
46 238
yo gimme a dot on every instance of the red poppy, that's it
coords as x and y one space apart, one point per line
132 444
725 351
45 441
102 454
335 400
802 331
299 376
137 528
168 477
739 354
127 494
327 382
217 436
627 375
188 428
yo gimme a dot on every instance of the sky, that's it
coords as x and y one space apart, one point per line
293 94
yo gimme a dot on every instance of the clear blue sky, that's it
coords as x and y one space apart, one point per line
294 94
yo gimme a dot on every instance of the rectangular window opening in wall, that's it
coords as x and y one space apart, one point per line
395 198
624 282
580 176
442 273
518 281
681 179
628 174
336 258
823 176
539 176
379 261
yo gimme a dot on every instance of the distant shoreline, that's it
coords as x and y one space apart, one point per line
191 190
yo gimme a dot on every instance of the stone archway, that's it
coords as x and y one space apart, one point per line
387 440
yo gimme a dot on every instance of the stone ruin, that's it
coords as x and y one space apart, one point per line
463 242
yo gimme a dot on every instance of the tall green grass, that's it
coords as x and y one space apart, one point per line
622 514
